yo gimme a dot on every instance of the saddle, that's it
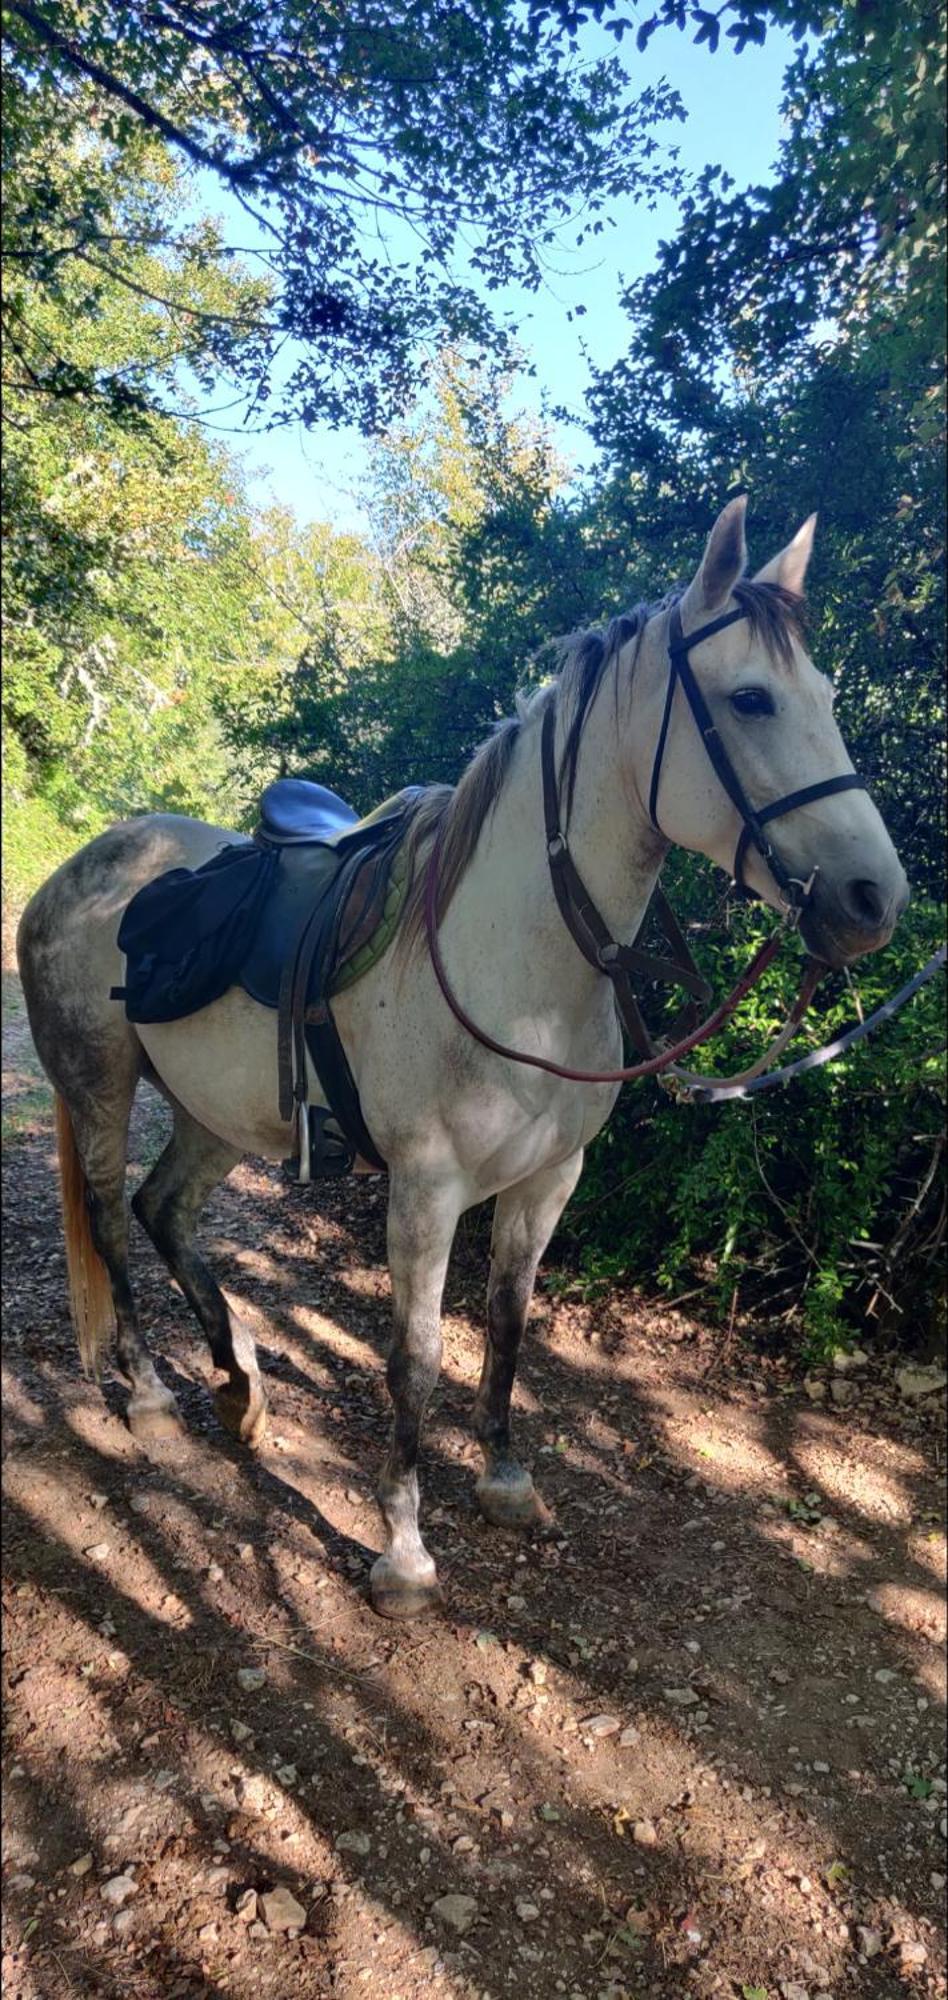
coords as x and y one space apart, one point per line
293 916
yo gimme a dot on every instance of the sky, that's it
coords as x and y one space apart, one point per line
733 120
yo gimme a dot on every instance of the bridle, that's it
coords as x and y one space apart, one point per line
590 932
754 819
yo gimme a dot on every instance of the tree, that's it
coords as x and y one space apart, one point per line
367 144
792 340
125 585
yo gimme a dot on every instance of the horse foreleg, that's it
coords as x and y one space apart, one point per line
167 1205
524 1220
421 1225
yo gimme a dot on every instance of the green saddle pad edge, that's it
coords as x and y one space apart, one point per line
375 946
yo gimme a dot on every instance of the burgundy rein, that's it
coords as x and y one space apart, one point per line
650 1067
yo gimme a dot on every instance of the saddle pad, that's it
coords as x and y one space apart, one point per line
186 935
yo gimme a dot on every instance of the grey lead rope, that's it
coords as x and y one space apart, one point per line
717 1093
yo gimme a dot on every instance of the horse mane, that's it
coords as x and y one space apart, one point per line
775 616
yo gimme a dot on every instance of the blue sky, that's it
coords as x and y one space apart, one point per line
733 120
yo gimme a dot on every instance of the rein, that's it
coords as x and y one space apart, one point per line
618 962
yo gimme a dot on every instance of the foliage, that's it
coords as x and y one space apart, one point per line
125 580
368 149
810 312
806 1194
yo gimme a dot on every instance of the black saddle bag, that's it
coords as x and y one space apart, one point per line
186 935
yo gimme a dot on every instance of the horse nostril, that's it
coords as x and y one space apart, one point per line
867 903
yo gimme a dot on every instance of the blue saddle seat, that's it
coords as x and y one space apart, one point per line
294 811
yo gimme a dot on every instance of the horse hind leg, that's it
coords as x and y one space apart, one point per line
168 1205
525 1217
92 1139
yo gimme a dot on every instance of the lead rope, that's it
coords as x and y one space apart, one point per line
716 1090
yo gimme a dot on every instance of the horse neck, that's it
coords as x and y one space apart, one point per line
612 843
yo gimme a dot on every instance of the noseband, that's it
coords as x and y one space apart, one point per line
753 819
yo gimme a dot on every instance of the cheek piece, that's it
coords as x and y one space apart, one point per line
753 818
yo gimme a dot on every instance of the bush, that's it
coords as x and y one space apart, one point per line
809 1199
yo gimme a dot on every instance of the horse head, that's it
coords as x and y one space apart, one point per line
740 756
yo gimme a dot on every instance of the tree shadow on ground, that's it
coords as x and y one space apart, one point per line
758 1670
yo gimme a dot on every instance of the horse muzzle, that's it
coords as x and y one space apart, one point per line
846 920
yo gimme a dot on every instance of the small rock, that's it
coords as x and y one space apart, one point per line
123 1922
644 1834
602 1725
354 1497
843 1392
516 1604
208 1934
458 1911
463 1845
251 1678
281 1911
629 1735
246 1906
914 1383
849 1360
756 1850
814 1389
353 1843
81 1866
215 1573
527 1912
239 1730
682 1697
98 1552
537 1671
245 1552
118 1890
870 1941
21 1882
258 1930
98 1501
286 1774
792 1990
912 1955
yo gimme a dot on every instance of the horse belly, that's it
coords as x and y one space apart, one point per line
221 1064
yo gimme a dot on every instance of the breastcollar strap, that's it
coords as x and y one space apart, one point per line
753 818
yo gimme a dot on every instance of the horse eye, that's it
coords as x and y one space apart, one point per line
752 701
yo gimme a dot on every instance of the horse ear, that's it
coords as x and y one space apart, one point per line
723 562
790 567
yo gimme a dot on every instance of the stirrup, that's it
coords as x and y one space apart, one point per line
324 1152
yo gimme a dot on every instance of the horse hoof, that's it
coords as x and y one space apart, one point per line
155 1419
243 1412
512 1503
396 1594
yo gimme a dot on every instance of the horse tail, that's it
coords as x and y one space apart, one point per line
90 1293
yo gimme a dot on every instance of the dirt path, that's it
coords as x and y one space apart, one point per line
691 1743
